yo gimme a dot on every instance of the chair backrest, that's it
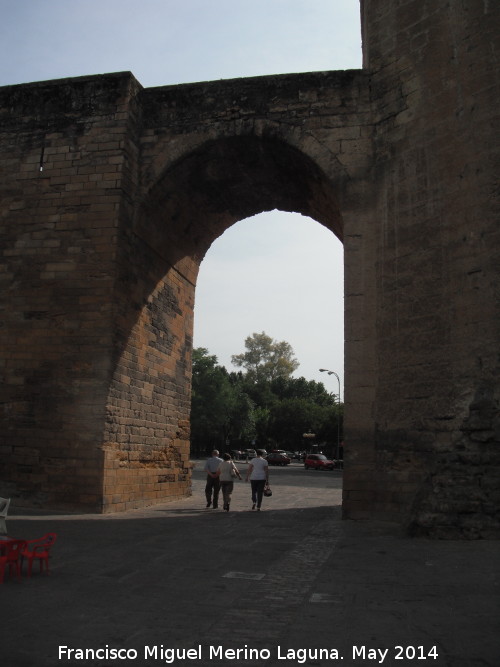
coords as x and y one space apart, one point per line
44 542
49 539
4 506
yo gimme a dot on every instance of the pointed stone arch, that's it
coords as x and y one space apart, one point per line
192 203
226 180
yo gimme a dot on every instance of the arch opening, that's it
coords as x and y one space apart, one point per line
191 205
280 273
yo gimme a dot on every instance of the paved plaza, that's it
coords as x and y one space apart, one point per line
293 584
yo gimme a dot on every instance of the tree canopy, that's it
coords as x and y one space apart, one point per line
264 406
266 359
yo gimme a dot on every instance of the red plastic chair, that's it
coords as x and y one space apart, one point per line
39 550
11 558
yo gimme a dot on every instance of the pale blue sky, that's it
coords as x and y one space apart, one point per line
279 273
175 41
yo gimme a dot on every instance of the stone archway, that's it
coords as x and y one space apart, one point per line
125 190
226 180
193 202
100 248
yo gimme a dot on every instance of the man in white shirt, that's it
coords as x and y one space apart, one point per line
213 483
258 473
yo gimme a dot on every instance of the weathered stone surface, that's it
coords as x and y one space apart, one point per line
111 194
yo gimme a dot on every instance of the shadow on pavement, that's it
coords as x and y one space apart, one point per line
294 576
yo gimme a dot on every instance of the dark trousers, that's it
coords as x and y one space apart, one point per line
227 489
257 490
213 485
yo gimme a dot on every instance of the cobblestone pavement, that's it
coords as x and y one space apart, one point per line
290 585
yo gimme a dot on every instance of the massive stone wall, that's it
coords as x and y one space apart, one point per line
111 195
212 154
433 449
62 156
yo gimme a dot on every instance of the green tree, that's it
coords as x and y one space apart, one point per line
292 417
243 423
211 401
260 404
221 410
266 359
330 428
289 387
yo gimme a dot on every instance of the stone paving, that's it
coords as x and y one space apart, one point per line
291 585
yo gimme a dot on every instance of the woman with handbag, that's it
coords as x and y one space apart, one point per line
258 473
226 472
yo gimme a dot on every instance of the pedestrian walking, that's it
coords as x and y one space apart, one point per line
212 486
258 474
227 473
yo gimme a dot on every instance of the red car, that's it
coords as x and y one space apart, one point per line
319 462
277 459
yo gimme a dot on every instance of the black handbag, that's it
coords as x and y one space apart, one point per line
267 491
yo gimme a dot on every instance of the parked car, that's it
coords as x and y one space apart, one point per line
249 454
277 459
318 462
236 454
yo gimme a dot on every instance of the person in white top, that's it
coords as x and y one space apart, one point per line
227 471
258 474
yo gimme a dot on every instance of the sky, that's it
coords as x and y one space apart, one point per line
277 272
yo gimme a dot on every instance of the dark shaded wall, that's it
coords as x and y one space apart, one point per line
434 446
63 165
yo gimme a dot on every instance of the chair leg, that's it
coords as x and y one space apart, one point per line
44 563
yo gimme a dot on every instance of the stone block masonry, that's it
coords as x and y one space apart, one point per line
111 195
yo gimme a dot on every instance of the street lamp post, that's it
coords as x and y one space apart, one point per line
325 370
